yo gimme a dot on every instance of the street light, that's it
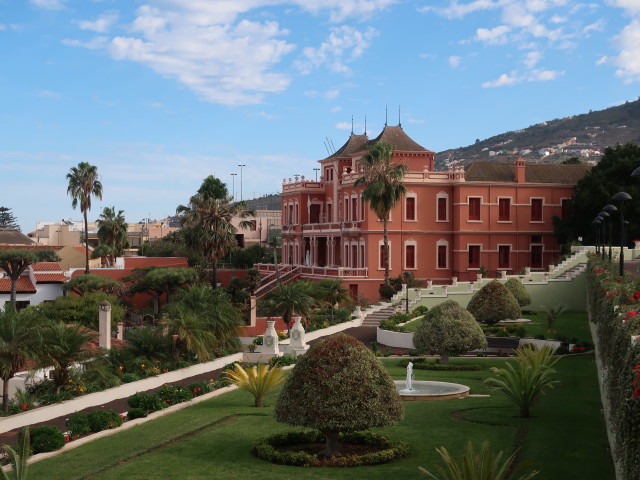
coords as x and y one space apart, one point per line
596 222
406 276
610 209
233 176
622 197
604 216
241 165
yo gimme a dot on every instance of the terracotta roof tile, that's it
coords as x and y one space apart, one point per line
50 278
355 144
397 137
24 285
46 267
534 173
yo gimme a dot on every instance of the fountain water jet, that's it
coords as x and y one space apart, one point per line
420 390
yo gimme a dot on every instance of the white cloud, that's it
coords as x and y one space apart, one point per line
503 81
49 4
224 55
493 36
331 94
532 59
48 94
632 6
558 19
454 61
602 60
93 44
459 10
343 126
336 109
100 25
628 60
344 44
516 77
594 27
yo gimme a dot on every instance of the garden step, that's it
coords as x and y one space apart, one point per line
374 319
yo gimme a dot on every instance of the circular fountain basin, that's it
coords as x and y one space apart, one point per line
430 391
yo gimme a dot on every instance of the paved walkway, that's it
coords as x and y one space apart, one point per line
364 334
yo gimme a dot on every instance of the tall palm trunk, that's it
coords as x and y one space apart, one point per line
86 242
5 394
14 290
386 250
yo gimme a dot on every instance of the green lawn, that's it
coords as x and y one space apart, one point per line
565 439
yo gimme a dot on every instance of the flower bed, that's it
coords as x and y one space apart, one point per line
613 312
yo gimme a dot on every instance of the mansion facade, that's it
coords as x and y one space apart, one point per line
451 223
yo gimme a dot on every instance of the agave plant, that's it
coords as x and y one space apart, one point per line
19 461
483 465
257 380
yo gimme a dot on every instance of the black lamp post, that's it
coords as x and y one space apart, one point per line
406 299
622 197
604 216
596 222
610 209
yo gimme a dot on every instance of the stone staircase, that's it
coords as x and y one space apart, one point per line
373 319
572 272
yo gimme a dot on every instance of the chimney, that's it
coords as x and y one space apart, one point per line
520 170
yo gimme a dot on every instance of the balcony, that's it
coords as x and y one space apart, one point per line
316 272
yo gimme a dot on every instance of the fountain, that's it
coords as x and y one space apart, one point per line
421 390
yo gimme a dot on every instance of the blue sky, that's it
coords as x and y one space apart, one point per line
161 93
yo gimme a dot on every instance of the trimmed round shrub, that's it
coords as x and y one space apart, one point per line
494 302
173 394
134 413
103 420
338 386
448 329
519 291
46 438
280 449
148 403
78 424
130 377
199 388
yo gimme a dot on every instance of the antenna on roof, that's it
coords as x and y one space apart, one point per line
326 147
333 148
386 114
399 122
351 124
365 124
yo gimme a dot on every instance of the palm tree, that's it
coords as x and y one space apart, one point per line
20 337
530 377
64 348
257 380
14 263
290 298
207 221
331 292
482 465
204 321
83 184
112 231
383 182
19 460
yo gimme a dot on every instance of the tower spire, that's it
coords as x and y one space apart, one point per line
399 122
351 124
386 114
365 124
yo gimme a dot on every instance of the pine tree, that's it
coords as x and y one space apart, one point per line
8 219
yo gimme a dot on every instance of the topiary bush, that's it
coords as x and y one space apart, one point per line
338 386
78 424
46 438
173 394
103 420
199 388
519 291
448 329
134 413
146 402
494 302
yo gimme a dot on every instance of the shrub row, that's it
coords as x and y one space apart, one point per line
273 449
424 364
614 310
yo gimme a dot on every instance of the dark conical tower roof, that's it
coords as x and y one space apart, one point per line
400 140
355 143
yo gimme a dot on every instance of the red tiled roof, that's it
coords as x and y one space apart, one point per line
32 248
24 285
50 278
46 267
